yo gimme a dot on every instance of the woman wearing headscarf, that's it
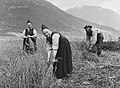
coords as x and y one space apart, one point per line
31 33
60 48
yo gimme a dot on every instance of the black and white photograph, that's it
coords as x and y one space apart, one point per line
59 43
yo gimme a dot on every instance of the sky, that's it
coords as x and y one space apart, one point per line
67 4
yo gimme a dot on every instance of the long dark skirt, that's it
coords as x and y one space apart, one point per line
97 48
64 56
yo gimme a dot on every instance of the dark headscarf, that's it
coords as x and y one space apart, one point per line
29 21
86 26
44 27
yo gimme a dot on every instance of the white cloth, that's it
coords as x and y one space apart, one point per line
35 33
94 37
54 46
55 42
24 32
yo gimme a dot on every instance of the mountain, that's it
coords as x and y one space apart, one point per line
15 13
97 15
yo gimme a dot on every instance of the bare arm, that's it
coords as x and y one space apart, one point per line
48 51
24 34
35 33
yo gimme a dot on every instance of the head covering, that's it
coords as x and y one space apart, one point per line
98 31
44 27
29 21
86 26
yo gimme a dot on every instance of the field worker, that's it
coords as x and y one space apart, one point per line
59 47
88 30
94 39
97 41
30 33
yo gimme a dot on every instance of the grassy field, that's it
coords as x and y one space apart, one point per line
19 70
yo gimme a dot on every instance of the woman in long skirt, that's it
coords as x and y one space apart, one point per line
60 48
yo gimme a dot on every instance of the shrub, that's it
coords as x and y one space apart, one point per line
111 46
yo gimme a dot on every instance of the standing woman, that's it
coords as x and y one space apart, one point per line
60 48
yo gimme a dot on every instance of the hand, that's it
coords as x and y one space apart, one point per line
24 37
55 60
32 36
29 36
48 61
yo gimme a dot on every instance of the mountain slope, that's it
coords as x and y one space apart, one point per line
15 13
97 15
39 12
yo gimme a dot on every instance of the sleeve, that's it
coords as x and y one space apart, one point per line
55 40
85 35
94 37
35 32
24 32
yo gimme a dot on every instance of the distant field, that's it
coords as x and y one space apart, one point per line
108 36
75 35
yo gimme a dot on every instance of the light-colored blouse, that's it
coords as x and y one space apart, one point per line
55 42
94 37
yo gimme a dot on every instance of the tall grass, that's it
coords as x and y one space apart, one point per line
19 70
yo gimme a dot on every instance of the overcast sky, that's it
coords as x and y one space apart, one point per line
109 4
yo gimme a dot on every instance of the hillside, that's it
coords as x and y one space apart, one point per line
15 13
39 12
97 15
